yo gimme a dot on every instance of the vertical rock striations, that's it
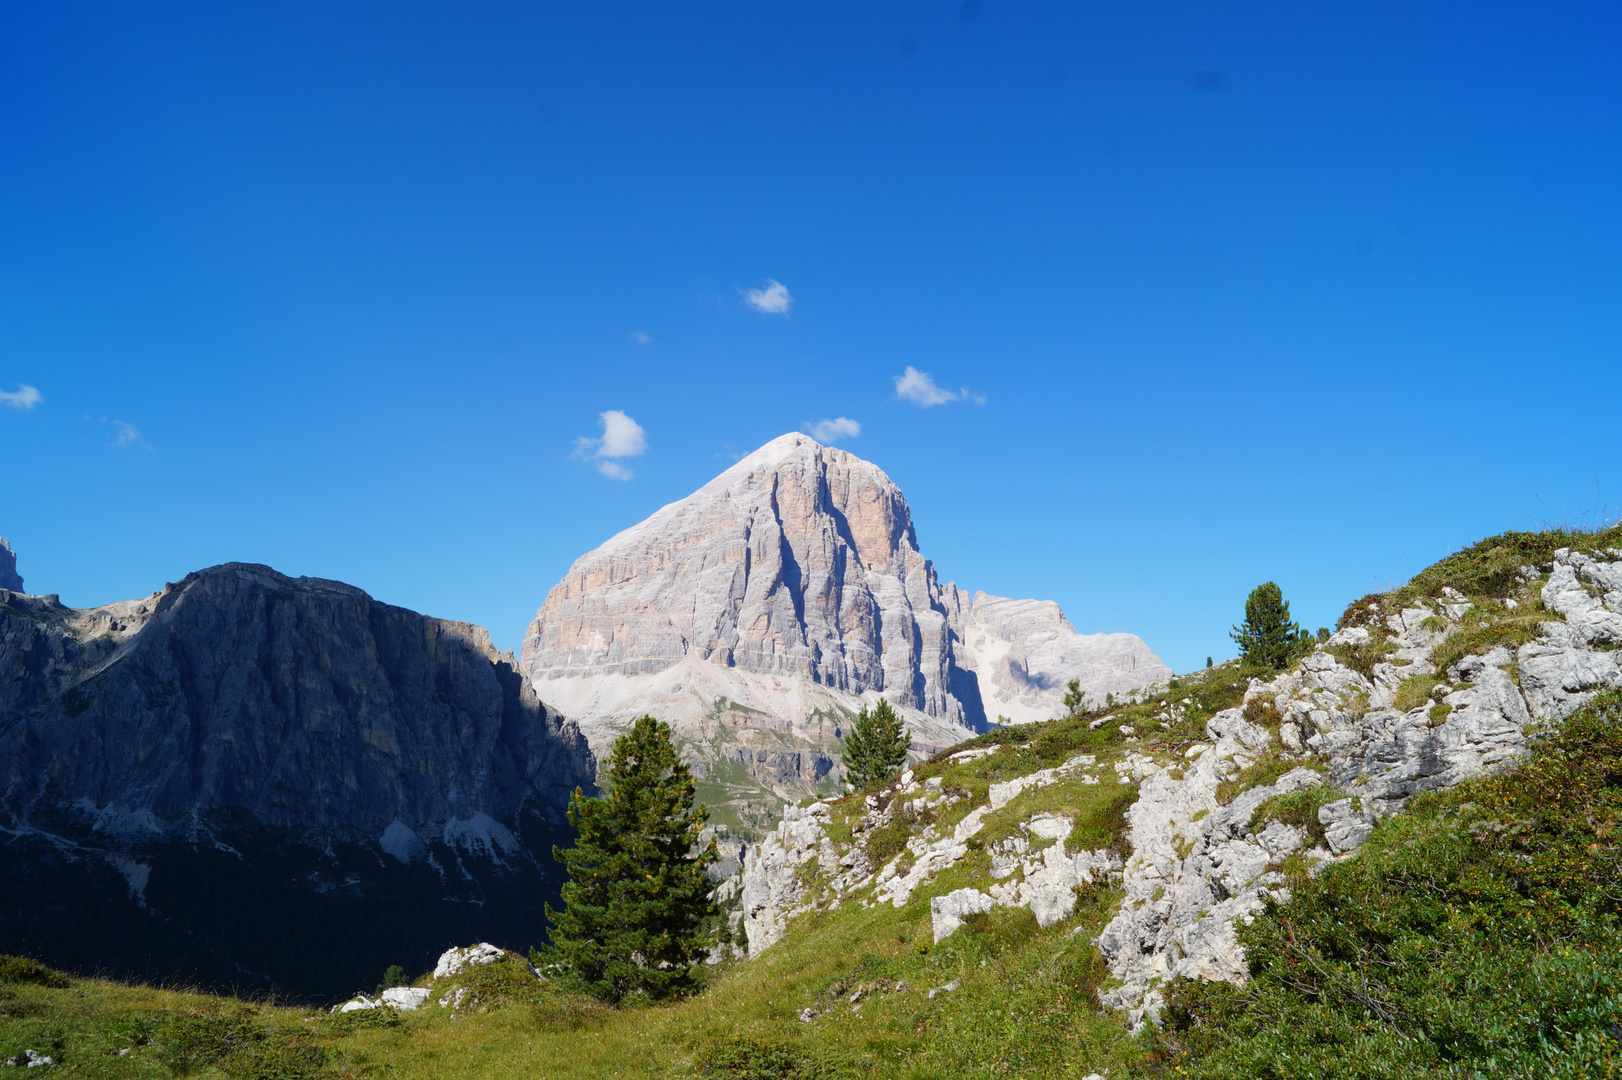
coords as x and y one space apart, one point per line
395 762
757 615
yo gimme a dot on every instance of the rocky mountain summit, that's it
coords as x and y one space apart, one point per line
1176 816
9 578
242 749
758 614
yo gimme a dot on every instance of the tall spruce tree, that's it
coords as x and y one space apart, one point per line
1268 640
638 897
875 746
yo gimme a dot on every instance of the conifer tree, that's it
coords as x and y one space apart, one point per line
1075 698
875 747
638 897
1268 640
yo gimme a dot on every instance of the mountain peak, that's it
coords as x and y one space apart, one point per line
9 578
759 613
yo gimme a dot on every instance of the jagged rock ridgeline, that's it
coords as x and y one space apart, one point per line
208 745
301 701
759 613
9 578
1023 652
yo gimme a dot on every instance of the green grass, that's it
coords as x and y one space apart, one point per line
1025 1006
1475 936
1486 569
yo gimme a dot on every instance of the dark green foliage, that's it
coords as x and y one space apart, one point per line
1475 936
1298 808
1207 661
393 975
1267 639
236 1041
638 896
1075 698
743 1057
22 969
875 747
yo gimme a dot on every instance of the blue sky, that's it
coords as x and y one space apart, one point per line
1315 293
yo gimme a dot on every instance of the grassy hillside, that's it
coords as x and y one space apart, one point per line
1475 935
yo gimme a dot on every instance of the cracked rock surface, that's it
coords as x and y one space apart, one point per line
1204 855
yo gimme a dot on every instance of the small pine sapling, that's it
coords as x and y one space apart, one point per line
1268 640
638 898
875 748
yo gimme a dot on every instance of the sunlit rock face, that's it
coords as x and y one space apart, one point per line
758 614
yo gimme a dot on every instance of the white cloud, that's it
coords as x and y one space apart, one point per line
828 431
622 437
919 387
125 436
774 299
640 337
25 398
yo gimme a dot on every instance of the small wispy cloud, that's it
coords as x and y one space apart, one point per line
828 431
622 437
24 399
920 388
124 435
641 338
774 299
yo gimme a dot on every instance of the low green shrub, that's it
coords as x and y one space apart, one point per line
1415 691
745 1057
1298 808
23 969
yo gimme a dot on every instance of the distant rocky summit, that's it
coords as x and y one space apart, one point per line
245 759
1023 652
9 578
758 614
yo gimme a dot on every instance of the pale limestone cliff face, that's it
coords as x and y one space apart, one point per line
758 614
800 560
1023 652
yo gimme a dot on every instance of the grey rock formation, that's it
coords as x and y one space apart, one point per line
301 701
244 749
1189 880
1198 867
757 615
9 578
1024 652
798 561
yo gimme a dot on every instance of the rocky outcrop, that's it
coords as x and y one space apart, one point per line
9 578
1375 715
293 723
800 867
1199 867
757 615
